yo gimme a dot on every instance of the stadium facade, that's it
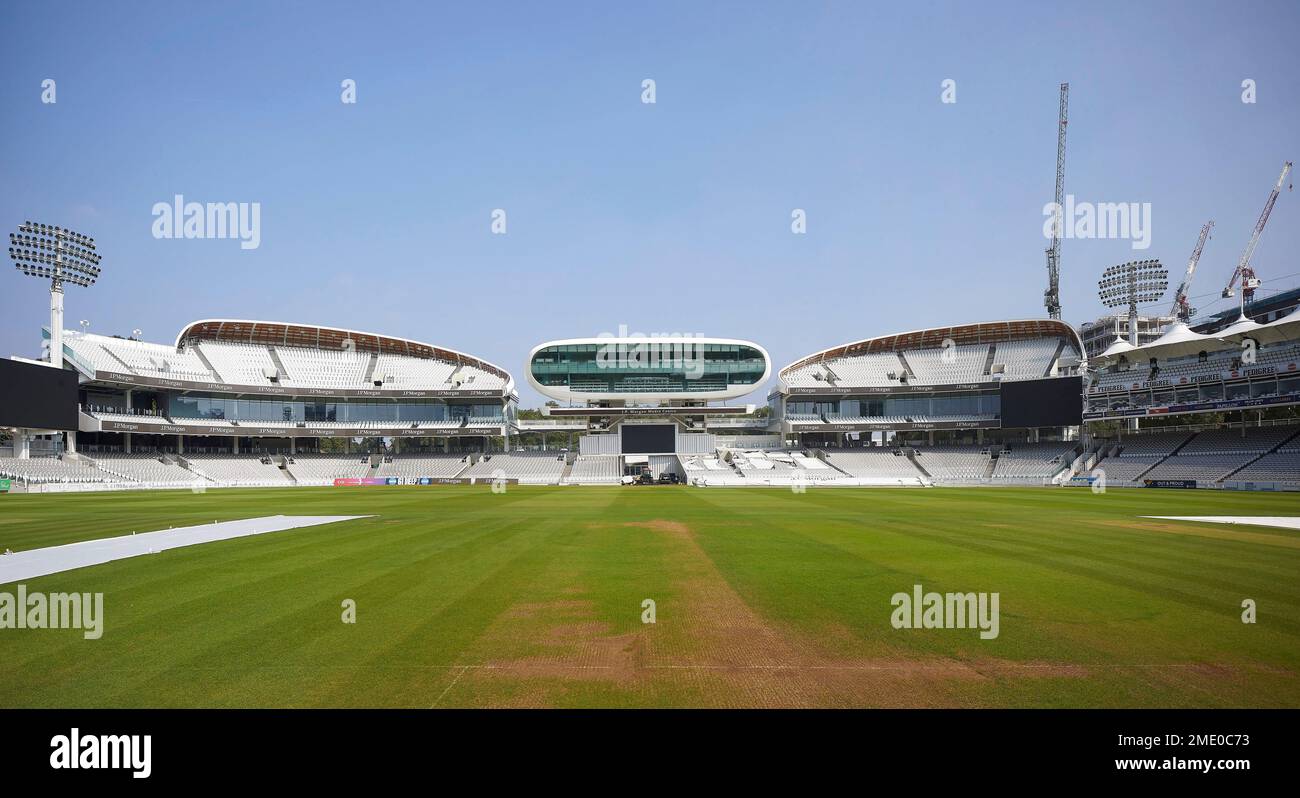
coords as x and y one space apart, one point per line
945 379
241 402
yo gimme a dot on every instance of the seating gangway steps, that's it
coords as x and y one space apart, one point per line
125 368
907 367
911 456
1051 364
216 375
988 361
279 364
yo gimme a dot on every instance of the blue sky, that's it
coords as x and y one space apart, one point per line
672 216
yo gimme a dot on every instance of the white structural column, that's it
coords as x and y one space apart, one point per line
56 324
70 441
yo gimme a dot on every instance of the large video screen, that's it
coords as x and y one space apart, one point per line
649 438
37 397
1053 402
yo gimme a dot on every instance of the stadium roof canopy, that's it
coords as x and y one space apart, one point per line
978 333
1241 325
311 336
1177 341
1118 347
1286 328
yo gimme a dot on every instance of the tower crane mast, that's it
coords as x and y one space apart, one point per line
1244 272
1182 309
1052 296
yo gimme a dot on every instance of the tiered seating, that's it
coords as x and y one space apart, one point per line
537 469
239 364
106 353
246 364
1138 454
1280 356
596 470
146 468
238 469
1033 460
1218 364
1154 444
1120 470
89 349
1118 380
1020 359
323 469
870 370
704 463
1230 441
324 368
470 377
1281 466
1185 369
1201 467
954 463
946 367
50 469
813 464
422 465
405 372
1213 455
1026 359
757 463
873 463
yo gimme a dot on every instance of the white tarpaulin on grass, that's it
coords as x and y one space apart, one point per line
55 559
1254 520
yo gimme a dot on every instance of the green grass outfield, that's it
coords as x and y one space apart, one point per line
764 597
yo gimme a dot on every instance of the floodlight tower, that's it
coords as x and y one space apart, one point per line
61 256
1138 281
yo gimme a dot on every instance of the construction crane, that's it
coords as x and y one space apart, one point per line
1182 309
1052 296
1249 282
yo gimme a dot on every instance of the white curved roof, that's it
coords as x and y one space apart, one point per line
953 355
331 340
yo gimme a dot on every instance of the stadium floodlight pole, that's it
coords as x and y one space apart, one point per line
61 256
1138 281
